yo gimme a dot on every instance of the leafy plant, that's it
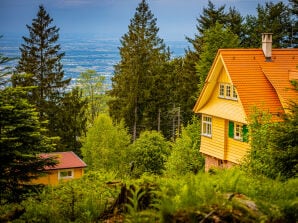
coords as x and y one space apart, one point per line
185 156
148 154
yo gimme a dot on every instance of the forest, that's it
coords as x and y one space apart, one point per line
140 138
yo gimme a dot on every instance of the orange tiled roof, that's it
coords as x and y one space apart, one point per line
260 83
66 160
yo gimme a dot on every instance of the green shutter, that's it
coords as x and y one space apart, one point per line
231 129
245 133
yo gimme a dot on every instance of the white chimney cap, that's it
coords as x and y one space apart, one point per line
267 45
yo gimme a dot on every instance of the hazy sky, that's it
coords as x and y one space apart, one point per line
110 18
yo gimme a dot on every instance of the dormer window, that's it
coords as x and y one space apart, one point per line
221 90
235 96
227 91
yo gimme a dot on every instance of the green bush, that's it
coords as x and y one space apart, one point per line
82 200
148 154
185 156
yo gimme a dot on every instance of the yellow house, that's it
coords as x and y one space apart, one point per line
69 166
238 81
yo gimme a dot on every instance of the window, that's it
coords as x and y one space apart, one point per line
207 126
65 174
235 96
221 90
238 131
227 91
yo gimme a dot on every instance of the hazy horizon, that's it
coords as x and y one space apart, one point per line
176 19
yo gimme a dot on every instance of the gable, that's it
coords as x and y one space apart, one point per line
209 101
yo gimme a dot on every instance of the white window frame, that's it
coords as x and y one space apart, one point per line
228 89
222 89
238 131
207 126
71 171
234 93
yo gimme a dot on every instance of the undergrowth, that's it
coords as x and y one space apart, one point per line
223 195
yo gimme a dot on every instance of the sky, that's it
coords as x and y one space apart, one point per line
176 19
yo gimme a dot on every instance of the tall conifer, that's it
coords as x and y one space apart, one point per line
21 140
142 55
41 59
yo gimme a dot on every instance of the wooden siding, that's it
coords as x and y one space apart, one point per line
51 178
236 150
220 145
215 145
226 109
222 107
223 77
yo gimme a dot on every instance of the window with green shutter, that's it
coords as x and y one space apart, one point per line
238 131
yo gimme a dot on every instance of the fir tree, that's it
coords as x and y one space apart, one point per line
21 140
4 69
210 17
215 38
271 18
73 121
143 54
40 57
294 28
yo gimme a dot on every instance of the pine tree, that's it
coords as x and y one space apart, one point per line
40 57
4 69
210 17
271 18
215 38
143 54
207 20
294 28
21 140
72 121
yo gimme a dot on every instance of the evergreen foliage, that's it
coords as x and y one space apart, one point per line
142 55
182 94
294 31
215 38
40 57
22 139
271 18
285 144
72 121
4 69
224 196
211 16
274 146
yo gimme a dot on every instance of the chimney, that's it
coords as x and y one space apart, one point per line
267 45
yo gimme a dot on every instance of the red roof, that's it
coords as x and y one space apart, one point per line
66 160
